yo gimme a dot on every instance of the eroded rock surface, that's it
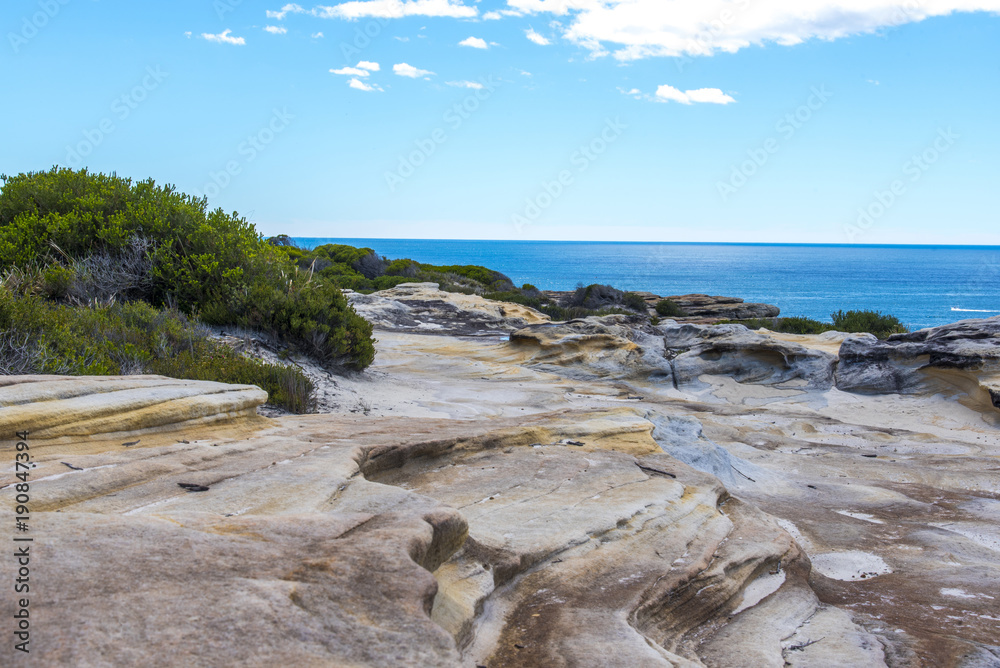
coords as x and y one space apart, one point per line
608 346
728 308
50 406
553 499
424 307
744 356
962 358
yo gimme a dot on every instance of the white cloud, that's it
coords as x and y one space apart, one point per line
187 34
474 42
465 84
224 37
362 69
389 9
351 72
536 38
499 14
280 16
276 30
525 73
402 39
404 70
642 28
317 35
357 84
702 95
709 96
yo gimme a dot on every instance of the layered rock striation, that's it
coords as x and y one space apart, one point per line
599 492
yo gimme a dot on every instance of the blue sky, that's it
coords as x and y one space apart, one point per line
745 120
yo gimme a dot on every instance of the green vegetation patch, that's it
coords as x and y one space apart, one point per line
852 322
88 241
43 337
669 309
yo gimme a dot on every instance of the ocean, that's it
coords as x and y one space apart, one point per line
923 286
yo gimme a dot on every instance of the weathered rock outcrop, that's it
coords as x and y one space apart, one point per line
424 308
745 356
725 308
958 359
696 306
49 406
565 538
609 346
554 500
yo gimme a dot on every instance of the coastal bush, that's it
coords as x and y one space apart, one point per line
668 309
487 278
596 296
634 302
466 279
792 325
206 264
873 322
515 298
797 325
38 336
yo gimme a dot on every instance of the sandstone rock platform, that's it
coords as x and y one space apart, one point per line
551 497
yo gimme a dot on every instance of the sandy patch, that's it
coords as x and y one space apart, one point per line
850 565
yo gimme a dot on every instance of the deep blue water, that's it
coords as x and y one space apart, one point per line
918 284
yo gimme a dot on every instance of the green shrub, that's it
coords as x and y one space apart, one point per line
407 268
386 282
39 336
668 309
634 302
514 298
208 264
797 325
57 281
872 322
311 316
285 385
793 325
486 278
